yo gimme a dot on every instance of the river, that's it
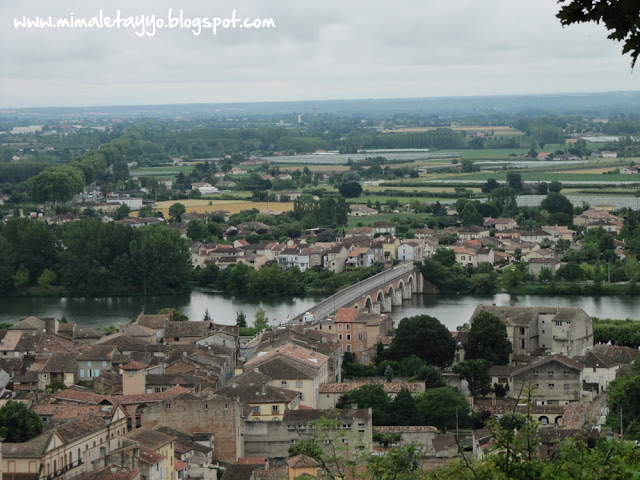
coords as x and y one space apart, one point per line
451 310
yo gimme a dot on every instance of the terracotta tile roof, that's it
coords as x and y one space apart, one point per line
66 363
33 448
135 330
60 411
150 457
152 439
29 323
97 352
135 366
301 461
346 315
80 427
93 398
282 368
407 429
111 472
179 464
253 460
295 352
186 329
389 387
618 354
567 362
10 340
156 322
55 344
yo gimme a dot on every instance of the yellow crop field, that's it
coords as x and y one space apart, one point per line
600 170
231 206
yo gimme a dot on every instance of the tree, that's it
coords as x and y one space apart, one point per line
476 373
372 396
17 423
557 203
511 277
620 17
350 189
21 277
122 211
47 278
490 186
545 275
441 407
514 180
414 333
555 187
176 211
488 340
308 447
206 317
403 409
241 319
260 320
57 184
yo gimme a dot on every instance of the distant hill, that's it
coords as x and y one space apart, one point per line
582 103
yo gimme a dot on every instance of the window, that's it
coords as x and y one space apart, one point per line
345 440
275 409
566 372
81 372
348 336
256 409
550 372
104 363
348 326
293 442
348 348
534 372
521 330
360 336
284 384
346 425
298 383
340 326
301 396
522 343
558 324
167 405
360 347
551 385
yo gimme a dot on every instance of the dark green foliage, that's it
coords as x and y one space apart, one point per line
370 396
620 17
617 332
557 203
488 340
350 189
178 316
306 446
404 410
17 423
476 373
438 407
241 319
425 337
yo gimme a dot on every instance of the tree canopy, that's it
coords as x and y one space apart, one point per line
425 337
17 423
488 340
620 17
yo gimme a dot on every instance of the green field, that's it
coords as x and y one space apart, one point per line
543 177
385 217
160 171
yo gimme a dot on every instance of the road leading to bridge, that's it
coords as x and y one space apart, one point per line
350 295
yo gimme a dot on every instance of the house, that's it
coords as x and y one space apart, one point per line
360 257
559 232
159 447
93 359
185 333
609 154
267 403
335 258
384 228
535 236
66 450
633 170
557 380
361 211
558 330
536 264
411 251
599 369
501 223
466 257
360 331
295 368
61 369
273 439
285 176
473 232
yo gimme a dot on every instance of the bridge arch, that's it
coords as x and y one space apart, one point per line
380 297
391 291
368 303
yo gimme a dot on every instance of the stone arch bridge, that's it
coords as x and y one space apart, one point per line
377 294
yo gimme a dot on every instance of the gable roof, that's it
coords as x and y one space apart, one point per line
567 362
186 329
81 427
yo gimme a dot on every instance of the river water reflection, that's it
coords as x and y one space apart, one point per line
452 310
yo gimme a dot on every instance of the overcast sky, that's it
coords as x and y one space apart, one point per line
318 50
